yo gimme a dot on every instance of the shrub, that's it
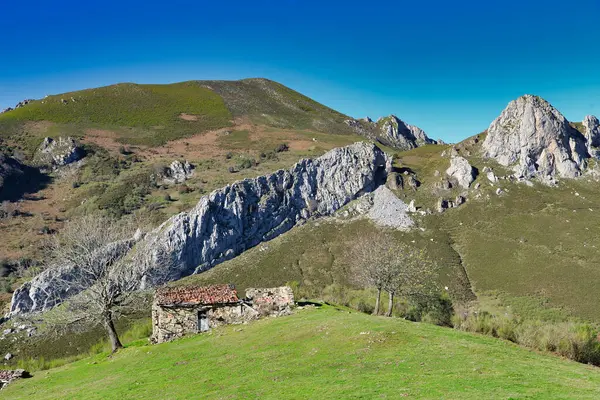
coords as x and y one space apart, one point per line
282 147
246 163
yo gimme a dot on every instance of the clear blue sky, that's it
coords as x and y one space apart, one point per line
449 67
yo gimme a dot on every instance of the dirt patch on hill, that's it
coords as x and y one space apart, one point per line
104 138
188 117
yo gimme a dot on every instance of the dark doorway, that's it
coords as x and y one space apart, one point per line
202 321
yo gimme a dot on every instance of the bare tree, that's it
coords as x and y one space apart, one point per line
383 262
103 272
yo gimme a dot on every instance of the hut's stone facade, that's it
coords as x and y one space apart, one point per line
183 310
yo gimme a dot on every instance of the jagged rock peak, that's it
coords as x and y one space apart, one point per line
239 216
398 133
535 139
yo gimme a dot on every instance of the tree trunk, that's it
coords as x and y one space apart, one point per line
109 325
376 311
390 305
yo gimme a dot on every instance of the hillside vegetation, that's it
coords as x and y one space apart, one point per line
151 115
325 353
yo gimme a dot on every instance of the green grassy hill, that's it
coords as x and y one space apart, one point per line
324 353
151 115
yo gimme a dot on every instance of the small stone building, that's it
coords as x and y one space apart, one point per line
178 311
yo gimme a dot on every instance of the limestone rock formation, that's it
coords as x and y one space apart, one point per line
237 217
535 139
391 131
178 172
591 127
462 171
57 153
396 133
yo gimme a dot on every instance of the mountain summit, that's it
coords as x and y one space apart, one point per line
535 139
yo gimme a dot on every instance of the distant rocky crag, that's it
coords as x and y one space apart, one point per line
391 131
536 140
237 217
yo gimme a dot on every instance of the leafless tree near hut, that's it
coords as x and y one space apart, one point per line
382 262
110 263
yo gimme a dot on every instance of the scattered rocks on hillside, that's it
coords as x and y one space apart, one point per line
461 170
389 211
239 216
444 204
394 181
8 356
177 172
8 376
536 140
443 184
54 153
20 104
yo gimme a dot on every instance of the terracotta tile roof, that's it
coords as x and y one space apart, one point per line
194 295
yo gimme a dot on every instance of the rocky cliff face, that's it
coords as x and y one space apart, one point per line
239 216
591 131
392 131
536 140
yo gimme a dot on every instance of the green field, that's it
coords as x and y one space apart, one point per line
323 353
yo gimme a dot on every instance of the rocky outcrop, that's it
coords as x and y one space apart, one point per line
8 376
591 131
59 152
396 133
461 171
9 168
391 131
20 104
536 140
178 172
237 217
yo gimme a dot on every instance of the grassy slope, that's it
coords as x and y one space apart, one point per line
324 353
531 241
316 255
151 114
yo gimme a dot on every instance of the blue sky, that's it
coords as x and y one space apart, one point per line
449 67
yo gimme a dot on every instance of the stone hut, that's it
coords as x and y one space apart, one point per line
178 311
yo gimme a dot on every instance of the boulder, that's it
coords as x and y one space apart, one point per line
395 181
491 176
59 152
178 172
536 140
462 171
